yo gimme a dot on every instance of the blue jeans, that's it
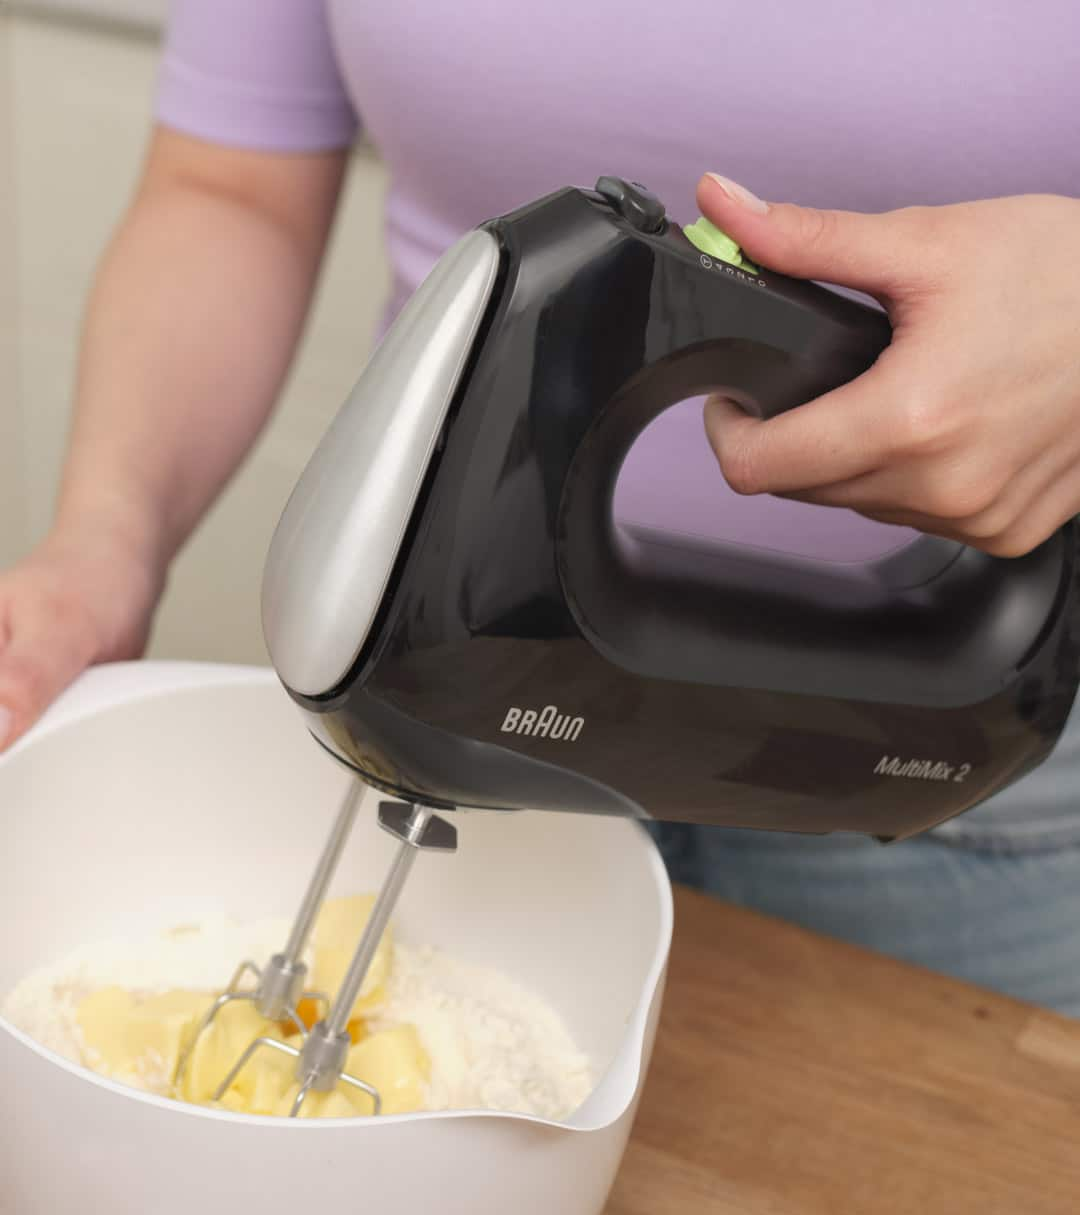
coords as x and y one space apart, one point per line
1008 921
992 896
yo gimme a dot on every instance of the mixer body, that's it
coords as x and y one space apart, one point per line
515 647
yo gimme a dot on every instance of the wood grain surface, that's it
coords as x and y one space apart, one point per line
795 1075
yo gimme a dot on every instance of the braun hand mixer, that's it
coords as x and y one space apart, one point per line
451 603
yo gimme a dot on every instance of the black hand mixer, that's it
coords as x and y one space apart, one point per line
450 601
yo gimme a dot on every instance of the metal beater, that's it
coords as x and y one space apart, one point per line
320 1062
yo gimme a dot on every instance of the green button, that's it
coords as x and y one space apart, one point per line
707 237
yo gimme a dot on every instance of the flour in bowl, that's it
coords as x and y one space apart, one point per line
492 1044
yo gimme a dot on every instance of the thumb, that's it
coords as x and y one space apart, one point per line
872 253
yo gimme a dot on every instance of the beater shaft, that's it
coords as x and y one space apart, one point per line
320 1065
338 1019
324 872
281 984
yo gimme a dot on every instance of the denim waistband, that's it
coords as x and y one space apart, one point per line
1041 811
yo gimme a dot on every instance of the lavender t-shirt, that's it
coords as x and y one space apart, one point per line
480 105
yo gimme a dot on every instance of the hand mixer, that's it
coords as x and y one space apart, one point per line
453 606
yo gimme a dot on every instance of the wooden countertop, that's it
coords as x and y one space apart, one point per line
795 1075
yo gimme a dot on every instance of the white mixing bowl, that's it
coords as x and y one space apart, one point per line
152 793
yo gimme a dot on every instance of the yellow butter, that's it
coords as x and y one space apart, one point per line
138 1041
337 933
320 1105
219 1048
394 1062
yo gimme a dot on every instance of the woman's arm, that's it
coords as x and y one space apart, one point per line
194 317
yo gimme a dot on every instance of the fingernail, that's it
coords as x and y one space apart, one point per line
5 725
740 194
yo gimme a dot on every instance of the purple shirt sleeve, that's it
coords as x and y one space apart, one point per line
254 73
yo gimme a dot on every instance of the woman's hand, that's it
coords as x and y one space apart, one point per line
76 600
968 425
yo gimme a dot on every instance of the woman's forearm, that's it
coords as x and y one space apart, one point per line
192 322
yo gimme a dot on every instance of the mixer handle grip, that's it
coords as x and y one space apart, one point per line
934 623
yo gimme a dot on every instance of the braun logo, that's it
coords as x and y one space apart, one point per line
921 769
542 723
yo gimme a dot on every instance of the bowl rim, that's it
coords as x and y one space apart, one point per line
113 685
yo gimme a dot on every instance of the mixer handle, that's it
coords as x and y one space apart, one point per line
934 623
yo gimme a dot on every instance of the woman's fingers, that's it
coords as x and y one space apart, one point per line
968 425
883 255
847 433
47 647
979 503
65 606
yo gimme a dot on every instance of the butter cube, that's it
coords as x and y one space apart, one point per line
219 1048
138 1041
334 1104
337 933
394 1062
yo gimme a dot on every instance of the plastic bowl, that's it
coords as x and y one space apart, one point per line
155 792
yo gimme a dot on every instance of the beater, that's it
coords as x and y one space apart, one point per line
320 1062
